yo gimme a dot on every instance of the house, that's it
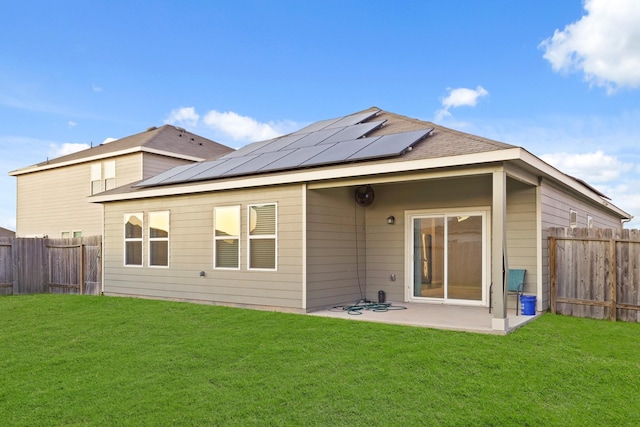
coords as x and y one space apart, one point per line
342 209
7 233
52 195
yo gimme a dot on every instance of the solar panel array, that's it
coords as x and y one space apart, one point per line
332 141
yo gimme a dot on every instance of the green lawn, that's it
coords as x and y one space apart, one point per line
73 360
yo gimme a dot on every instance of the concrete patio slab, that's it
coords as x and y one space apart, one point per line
438 316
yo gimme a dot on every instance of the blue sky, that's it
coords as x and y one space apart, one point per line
560 78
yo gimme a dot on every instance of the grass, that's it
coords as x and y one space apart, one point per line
73 360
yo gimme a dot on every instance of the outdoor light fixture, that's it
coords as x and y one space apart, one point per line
391 220
202 274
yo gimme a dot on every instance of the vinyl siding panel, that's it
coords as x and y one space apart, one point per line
336 254
53 201
555 206
191 251
521 234
154 164
385 243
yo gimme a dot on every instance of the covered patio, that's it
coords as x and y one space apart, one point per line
437 316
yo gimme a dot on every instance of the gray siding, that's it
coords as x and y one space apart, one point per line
555 206
154 164
191 251
521 233
385 243
54 201
336 256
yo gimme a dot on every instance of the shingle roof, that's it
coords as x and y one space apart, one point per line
371 135
167 138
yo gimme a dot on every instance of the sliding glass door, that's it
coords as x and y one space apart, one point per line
448 257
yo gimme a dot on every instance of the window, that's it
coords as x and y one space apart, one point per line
133 239
226 236
109 175
589 221
262 236
65 235
573 218
96 178
159 239
77 234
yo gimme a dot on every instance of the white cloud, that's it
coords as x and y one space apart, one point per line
72 124
246 128
108 140
56 150
460 97
604 44
596 167
185 116
96 88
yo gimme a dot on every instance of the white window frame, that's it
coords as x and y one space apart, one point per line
132 239
482 211
65 235
159 239
589 221
96 178
109 174
225 237
76 234
573 218
274 236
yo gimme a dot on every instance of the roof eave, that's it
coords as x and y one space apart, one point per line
31 169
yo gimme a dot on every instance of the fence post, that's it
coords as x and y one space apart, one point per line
82 269
552 274
613 279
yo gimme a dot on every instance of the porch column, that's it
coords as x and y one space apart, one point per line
499 263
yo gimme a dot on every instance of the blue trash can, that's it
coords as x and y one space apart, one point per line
528 305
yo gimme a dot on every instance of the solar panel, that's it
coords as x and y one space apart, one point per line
219 169
318 125
390 145
195 170
295 158
331 141
314 138
163 176
279 143
353 119
353 132
248 149
256 163
338 152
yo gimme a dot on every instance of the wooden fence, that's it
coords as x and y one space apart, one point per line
29 266
595 273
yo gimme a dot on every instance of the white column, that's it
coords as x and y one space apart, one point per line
499 263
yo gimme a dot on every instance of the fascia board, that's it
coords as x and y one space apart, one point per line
316 175
569 182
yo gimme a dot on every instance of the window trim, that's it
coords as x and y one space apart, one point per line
159 239
573 218
216 238
132 239
262 237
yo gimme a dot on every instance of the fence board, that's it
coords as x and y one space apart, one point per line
50 265
6 266
595 273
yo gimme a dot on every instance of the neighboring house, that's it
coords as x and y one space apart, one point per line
52 195
342 209
7 233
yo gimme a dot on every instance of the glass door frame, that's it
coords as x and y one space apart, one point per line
411 215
